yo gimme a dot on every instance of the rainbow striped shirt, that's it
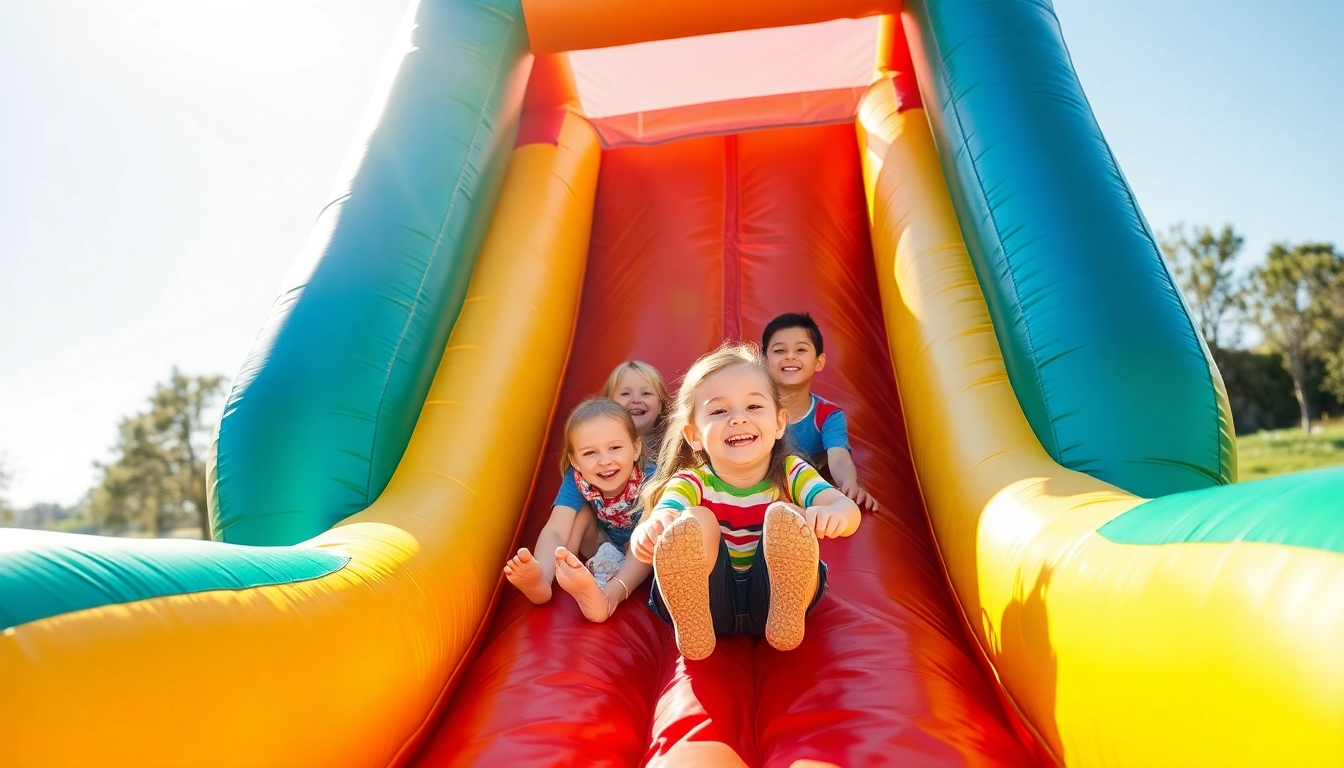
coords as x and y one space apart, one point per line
740 511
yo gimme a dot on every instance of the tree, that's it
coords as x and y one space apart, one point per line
1292 295
1334 359
157 480
1334 375
1202 263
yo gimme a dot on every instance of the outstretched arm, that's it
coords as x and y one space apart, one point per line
846 477
679 496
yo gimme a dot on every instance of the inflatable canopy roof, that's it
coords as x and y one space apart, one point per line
1062 572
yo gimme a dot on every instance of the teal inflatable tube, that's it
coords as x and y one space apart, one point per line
324 405
1299 510
45 574
1099 346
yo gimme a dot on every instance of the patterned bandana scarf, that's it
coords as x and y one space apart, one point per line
618 511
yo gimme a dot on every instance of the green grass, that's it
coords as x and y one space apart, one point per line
1279 451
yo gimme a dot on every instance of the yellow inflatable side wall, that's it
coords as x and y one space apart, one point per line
1181 654
384 634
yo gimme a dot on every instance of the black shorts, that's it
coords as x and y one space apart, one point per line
738 602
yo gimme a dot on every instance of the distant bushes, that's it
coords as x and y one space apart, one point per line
1261 392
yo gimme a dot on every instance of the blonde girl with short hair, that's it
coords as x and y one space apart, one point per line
639 388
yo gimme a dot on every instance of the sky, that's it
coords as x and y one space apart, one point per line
161 162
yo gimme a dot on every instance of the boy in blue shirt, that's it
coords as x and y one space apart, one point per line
793 352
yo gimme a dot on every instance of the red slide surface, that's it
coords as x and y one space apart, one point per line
695 241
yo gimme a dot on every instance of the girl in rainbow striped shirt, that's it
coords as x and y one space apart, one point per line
734 518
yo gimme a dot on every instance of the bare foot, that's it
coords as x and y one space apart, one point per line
578 581
524 572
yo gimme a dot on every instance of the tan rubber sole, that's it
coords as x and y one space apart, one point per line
683 577
791 553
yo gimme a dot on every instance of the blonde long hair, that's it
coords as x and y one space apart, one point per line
592 409
676 454
655 380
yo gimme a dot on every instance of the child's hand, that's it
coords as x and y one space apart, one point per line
825 522
647 533
859 496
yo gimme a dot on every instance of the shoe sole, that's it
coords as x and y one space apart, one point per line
683 578
791 554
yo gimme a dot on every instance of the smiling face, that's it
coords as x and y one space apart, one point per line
735 421
792 357
638 397
602 451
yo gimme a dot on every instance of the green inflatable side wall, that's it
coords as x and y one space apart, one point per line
1098 343
325 404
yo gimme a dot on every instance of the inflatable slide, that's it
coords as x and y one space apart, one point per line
1063 571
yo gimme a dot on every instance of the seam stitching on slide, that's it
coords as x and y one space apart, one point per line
732 251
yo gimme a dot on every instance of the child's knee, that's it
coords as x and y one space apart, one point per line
709 524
